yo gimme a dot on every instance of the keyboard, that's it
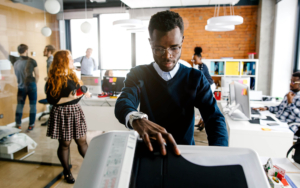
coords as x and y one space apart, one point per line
255 112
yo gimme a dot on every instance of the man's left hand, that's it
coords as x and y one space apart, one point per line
290 96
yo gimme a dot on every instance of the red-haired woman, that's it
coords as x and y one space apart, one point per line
66 120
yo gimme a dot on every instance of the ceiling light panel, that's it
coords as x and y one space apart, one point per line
174 3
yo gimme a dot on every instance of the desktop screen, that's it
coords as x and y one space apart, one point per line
113 85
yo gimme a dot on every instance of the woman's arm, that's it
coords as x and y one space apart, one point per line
71 97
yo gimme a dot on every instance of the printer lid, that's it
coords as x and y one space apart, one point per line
119 159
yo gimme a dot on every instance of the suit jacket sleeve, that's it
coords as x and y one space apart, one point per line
130 98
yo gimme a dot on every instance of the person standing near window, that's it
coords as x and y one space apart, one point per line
48 52
66 121
197 60
87 63
24 68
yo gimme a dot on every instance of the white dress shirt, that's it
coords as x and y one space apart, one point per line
165 75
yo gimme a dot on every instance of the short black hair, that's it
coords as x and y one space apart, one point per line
22 48
198 51
296 74
165 21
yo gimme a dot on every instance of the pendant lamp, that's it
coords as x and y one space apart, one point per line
128 23
223 23
52 6
46 31
219 28
138 30
225 20
85 26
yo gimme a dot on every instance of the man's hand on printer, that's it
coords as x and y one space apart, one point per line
147 129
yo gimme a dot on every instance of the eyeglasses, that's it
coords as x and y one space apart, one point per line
161 51
295 82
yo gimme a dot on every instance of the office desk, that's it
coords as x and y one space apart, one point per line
100 114
243 134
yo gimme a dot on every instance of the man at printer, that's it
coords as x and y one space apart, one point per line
289 109
168 93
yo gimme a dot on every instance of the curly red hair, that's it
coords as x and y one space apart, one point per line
58 76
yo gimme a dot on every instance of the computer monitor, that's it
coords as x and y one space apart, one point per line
231 94
112 85
242 98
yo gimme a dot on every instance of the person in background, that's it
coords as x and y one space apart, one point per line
24 68
167 92
289 109
108 73
87 63
48 52
197 60
66 121
104 87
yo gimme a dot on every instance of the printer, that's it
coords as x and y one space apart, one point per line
120 159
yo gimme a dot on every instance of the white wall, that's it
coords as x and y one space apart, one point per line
284 46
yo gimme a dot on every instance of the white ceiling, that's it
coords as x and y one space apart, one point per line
174 3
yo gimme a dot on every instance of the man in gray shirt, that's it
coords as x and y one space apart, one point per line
25 67
48 52
88 64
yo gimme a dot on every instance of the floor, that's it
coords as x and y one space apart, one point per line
46 152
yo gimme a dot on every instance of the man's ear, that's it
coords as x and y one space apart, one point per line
182 39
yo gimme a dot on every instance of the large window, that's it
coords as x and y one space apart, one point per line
115 43
143 49
81 41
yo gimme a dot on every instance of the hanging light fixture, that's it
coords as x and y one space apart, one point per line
129 23
46 31
85 26
138 30
219 28
225 20
52 6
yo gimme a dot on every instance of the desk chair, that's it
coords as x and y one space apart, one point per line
45 102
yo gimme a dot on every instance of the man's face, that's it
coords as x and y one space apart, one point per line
45 52
89 52
295 84
171 40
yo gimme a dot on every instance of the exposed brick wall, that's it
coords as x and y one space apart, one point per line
215 45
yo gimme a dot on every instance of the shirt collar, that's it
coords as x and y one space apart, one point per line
172 72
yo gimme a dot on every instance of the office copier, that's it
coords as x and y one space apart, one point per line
120 159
